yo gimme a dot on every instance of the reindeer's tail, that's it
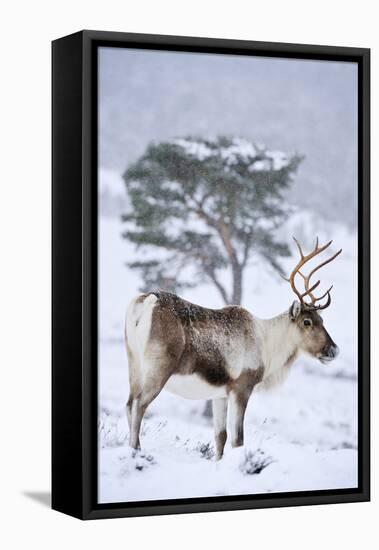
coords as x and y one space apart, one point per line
138 322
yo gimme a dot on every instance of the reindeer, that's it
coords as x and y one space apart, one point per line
220 354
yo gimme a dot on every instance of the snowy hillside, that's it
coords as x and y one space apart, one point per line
301 436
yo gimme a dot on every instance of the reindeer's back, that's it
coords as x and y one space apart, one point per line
230 319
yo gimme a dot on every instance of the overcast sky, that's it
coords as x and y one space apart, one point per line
307 107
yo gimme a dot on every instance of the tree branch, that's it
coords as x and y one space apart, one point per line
246 250
211 274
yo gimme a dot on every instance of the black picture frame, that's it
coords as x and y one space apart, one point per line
74 273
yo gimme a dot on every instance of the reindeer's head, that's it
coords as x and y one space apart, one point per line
310 333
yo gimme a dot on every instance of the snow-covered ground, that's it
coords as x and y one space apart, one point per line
300 436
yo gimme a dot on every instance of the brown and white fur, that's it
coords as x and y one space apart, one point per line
217 354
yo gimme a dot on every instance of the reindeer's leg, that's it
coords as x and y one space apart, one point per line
137 412
128 408
156 375
237 407
139 406
220 408
134 384
238 400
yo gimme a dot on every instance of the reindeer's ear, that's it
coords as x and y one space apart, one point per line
295 310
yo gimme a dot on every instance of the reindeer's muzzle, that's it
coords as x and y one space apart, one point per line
329 352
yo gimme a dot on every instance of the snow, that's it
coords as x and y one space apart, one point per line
260 166
240 149
194 148
279 159
303 435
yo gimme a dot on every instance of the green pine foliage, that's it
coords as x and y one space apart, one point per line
200 206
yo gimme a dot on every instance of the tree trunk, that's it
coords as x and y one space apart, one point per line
207 412
237 285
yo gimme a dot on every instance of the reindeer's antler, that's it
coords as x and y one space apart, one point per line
304 258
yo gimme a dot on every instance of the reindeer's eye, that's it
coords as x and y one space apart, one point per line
307 322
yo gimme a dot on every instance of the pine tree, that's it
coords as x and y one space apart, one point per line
199 206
